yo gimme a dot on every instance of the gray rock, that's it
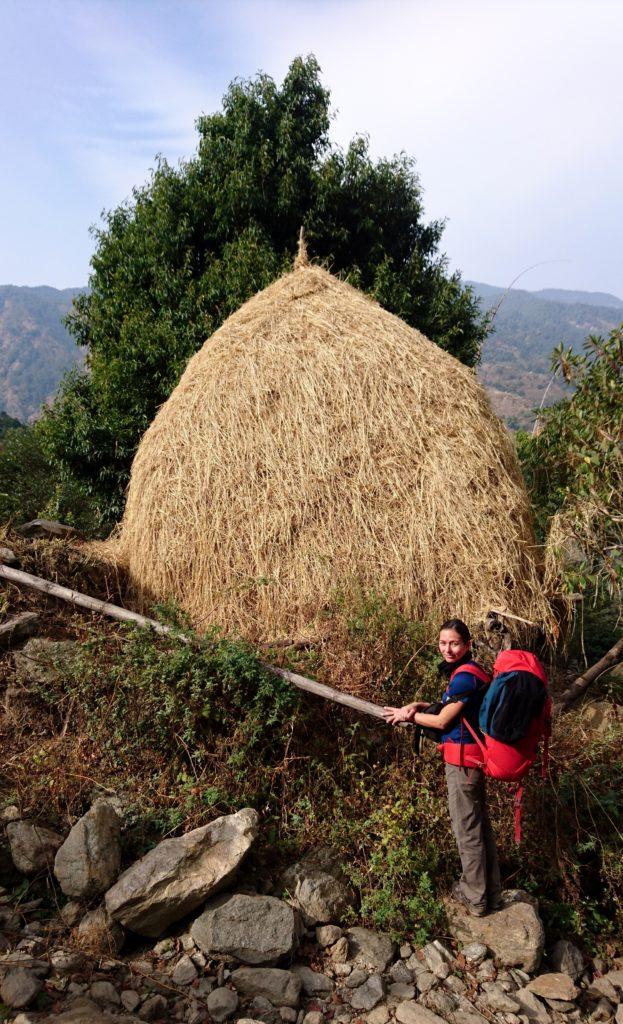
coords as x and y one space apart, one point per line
313 1017
222 1004
370 949
153 1008
281 988
253 929
339 951
515 934
88 862
288 1015
487 971
599 988
474 952
455 985
616 978
44 661
438 959
619 1014
98 934
318 887
531 1007
178 875
130 1000
565 958
369 994
425 981
19 987
400 990
379 1015
104 992
495 998
603 1011
400 973
414 1013
32 846
45 528
356 978
327 935
184 972
405 950
314 983
71 913
601 717
8 557
466 1013
553 986
441 1002
66 961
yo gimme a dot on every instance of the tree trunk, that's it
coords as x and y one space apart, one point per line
581 684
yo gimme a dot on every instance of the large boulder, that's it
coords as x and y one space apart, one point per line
32 846
178 875
514 934
281 988
317 886
253 929
88 862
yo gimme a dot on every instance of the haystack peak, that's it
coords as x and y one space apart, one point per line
301 259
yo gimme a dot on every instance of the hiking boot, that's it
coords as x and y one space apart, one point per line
460 897
495 904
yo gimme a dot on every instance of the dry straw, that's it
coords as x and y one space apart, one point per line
317 442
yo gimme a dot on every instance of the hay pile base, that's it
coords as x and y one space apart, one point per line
317 442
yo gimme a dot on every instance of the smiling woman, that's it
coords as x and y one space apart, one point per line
479 888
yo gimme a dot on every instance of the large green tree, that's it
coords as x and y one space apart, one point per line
197 240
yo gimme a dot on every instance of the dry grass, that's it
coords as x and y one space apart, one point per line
315 443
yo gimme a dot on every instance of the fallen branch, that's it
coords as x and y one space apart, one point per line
581 684
113 611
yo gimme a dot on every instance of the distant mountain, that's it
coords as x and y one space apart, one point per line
35 348
7 423
584 298
516 357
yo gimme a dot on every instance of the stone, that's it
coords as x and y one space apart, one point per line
18 627
281 988
474 952
400 973
288 1015
405 950
619 1014
601 988
8 557
10 813
104 992
32 846
98 934
441 1002
179 874
455 985
600 717
317 886
45 528
339 951
466 1013
603 1011
130 1000
19 987
414 1013
369 994
496 999
66 961
369 949
314 983
71 913
487 971
425 981
379 1015
531 1007
514 934
222 1003
616 978
44 661
153 1008
184 972
553 986
88 862
565 958
438 959
253 929
356 978
400 990
313 1017
327 935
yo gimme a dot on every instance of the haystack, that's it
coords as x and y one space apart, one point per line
316 442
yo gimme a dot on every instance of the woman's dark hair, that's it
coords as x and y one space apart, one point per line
459 627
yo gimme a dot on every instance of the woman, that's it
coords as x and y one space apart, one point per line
479 888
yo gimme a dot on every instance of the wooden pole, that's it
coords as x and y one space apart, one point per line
92 604
582 683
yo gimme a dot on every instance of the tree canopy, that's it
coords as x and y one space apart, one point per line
197 240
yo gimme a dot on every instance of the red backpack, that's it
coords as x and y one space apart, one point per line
515 715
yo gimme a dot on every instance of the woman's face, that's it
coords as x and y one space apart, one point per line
452 646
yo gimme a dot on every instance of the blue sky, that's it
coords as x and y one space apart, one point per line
512 109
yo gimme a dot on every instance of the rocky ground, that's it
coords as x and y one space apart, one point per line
178 937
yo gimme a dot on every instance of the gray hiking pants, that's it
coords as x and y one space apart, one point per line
480 881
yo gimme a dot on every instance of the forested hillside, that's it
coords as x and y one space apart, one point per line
35 347
527 326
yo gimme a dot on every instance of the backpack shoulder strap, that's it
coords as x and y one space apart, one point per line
473 669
